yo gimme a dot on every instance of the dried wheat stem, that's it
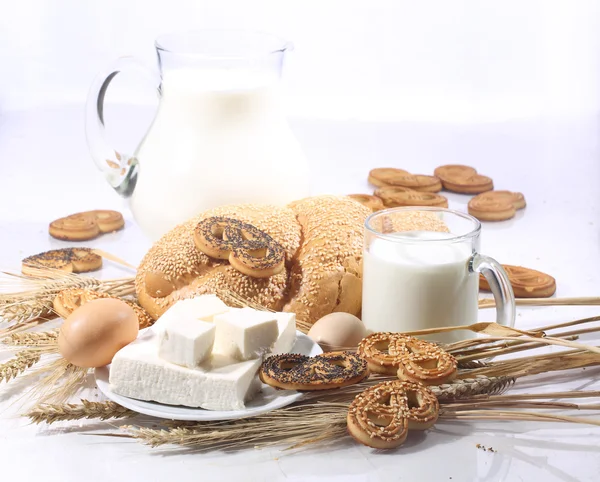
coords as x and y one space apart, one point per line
525 366
515 415
60 380
22 361
300 426
33 297
491 349
114 258
460 345
50 413
582 331
32 338
537 396
570 323
565 301
461 406
294 426
550 341
489 353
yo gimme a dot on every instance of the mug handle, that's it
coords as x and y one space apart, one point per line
500 286
119 169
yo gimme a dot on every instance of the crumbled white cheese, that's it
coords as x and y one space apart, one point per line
186 341
245 333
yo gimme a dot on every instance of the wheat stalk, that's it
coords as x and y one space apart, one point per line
474 342
22 361
61 380
298 425
515 415
27 338
567 301
534 365
114 259
318 423
50 413
31 297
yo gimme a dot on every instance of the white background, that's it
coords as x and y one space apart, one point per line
509 87
449 60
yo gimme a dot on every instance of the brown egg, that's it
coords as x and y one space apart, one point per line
338 331
93 333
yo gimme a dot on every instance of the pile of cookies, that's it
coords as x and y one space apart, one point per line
81 226
86 225
398 188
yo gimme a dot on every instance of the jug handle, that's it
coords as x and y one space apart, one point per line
119 168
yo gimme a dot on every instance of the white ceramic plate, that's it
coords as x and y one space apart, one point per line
266 400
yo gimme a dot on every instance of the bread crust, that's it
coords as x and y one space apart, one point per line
322 237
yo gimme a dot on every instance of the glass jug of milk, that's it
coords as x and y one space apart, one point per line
421 270
219 135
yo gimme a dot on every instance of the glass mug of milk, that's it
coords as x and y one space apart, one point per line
421 270
219 135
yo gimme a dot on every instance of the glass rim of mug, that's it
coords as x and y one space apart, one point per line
193 43
454 238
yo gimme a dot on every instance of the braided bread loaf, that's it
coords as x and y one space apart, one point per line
322 238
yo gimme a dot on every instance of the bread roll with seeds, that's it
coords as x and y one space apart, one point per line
175 269
326 276
322 238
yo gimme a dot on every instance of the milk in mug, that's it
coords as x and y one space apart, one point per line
411 286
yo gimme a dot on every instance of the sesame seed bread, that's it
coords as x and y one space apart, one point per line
322 237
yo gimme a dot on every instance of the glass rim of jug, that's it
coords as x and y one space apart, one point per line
195 43
473 233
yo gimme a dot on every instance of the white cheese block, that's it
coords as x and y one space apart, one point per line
203 308
186 341
287 333
245 333
218 384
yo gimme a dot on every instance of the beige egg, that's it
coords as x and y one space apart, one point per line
93 333
338 331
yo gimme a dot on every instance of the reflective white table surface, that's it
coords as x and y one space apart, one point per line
46 172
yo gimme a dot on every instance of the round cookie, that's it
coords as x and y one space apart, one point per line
454 171
385 176
490 210
417 182
322 372
393 196
515 198
474 184
76 227
374 203
71 260
496 205
526 282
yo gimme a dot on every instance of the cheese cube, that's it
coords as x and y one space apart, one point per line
245 333
287 333
202 308
186 341
218 384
